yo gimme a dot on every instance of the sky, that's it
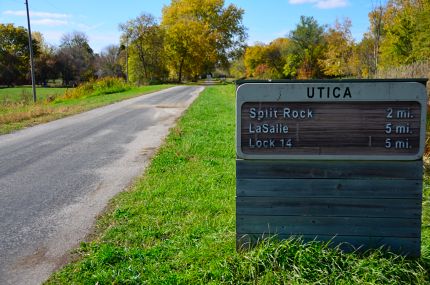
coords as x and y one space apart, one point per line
265 20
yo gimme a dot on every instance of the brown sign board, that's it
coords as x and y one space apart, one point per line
379 120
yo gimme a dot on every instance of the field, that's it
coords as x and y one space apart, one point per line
18 111
25 94
176 225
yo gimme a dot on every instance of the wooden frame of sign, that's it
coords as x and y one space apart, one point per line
331 160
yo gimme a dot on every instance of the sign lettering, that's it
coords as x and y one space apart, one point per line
331 121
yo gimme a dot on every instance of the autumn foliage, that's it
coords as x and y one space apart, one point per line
198 37
398 35
193 38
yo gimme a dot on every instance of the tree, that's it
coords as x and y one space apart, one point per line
396 45
254 56
263 71
14 54
108 62
45 63
407 39
267 61
75 58
307 47
376 35
237 68
339 51
276 56
145 40
292 64
421 38
362 62
201 34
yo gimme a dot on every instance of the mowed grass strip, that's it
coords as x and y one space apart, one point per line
176 225
17 110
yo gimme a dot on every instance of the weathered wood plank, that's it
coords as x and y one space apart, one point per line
260 169
401 245
326 165
329 207
365 188
354 226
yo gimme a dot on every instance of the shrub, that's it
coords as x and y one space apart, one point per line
82 90
107 85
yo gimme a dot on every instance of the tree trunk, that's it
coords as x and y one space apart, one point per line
181 64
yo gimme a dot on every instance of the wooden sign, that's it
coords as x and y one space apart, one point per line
337 161
375 121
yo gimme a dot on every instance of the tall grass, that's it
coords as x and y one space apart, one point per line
294 262
17 106
419 69
28 113
107 85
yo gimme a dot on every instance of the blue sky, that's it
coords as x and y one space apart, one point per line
99 19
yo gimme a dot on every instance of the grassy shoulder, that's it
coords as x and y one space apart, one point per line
176 225
17 111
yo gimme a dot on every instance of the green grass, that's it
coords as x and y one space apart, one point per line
17 113
176 225
25 93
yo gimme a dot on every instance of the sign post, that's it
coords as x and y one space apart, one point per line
331 160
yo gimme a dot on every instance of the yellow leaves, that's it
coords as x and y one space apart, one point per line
197 35
254 56
339 50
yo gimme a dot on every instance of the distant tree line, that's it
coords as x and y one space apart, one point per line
197 37
73 61
398 35
193 38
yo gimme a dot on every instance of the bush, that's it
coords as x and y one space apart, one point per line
107 85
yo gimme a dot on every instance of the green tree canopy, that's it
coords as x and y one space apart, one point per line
14 54
407 37
45 63
145 40
308 45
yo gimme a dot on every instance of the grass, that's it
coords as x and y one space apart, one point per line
17 110
176 225
25 94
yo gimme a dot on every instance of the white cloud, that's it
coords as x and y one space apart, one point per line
49 22
41 18
23 13
330 4
322 4
53 37
86 27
